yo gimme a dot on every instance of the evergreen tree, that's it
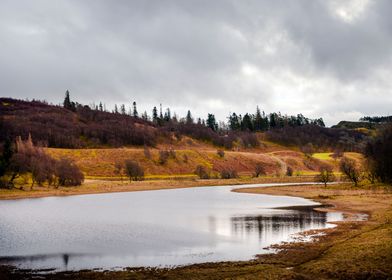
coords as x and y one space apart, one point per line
189 119
167 116
273 121
234 122
68 104
246 123
100 107
258 121
155 115
115 109
211 122
67 100
134 112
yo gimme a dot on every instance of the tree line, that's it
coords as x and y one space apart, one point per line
74 125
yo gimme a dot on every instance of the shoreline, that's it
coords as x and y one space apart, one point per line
329 255
109 186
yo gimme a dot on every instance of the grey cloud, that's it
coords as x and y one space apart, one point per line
208 56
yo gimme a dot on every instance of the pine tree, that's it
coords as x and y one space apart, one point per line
234 122
167 116
134 112
155 115
247 123
115 109
67 101
100 107
211 122
189 119
258 122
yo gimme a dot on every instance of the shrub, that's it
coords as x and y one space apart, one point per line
68 173
185 158
228 174
42 169
220 153
289 171
134 170
163 156
202 172
350 168
259 170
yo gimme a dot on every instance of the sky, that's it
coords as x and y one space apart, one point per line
322 58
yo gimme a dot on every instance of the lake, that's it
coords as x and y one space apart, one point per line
150 228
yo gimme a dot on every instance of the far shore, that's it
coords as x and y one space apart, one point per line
95 186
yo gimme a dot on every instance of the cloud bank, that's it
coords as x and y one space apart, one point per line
329 59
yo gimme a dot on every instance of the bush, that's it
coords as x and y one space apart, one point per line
163 157
349 167
228 174
259 170
202 172
42 169
134 170
220 153
289 171
68 173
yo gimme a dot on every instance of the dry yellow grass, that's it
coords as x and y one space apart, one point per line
100 162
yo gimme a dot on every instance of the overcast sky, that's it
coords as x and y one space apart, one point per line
329 59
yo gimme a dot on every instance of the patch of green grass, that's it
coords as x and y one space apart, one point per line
323 156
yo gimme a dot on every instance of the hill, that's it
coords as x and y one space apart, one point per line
79 126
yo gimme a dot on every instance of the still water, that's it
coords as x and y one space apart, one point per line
149 228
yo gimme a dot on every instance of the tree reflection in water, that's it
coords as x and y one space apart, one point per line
270 224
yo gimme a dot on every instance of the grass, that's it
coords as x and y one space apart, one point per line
100 162
323 156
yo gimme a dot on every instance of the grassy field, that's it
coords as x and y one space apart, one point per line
101 162
352 250
323 156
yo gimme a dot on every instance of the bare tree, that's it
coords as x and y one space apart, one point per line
228 174
259 170
349 167
326 175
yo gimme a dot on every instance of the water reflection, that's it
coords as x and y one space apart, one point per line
155 228
278 222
